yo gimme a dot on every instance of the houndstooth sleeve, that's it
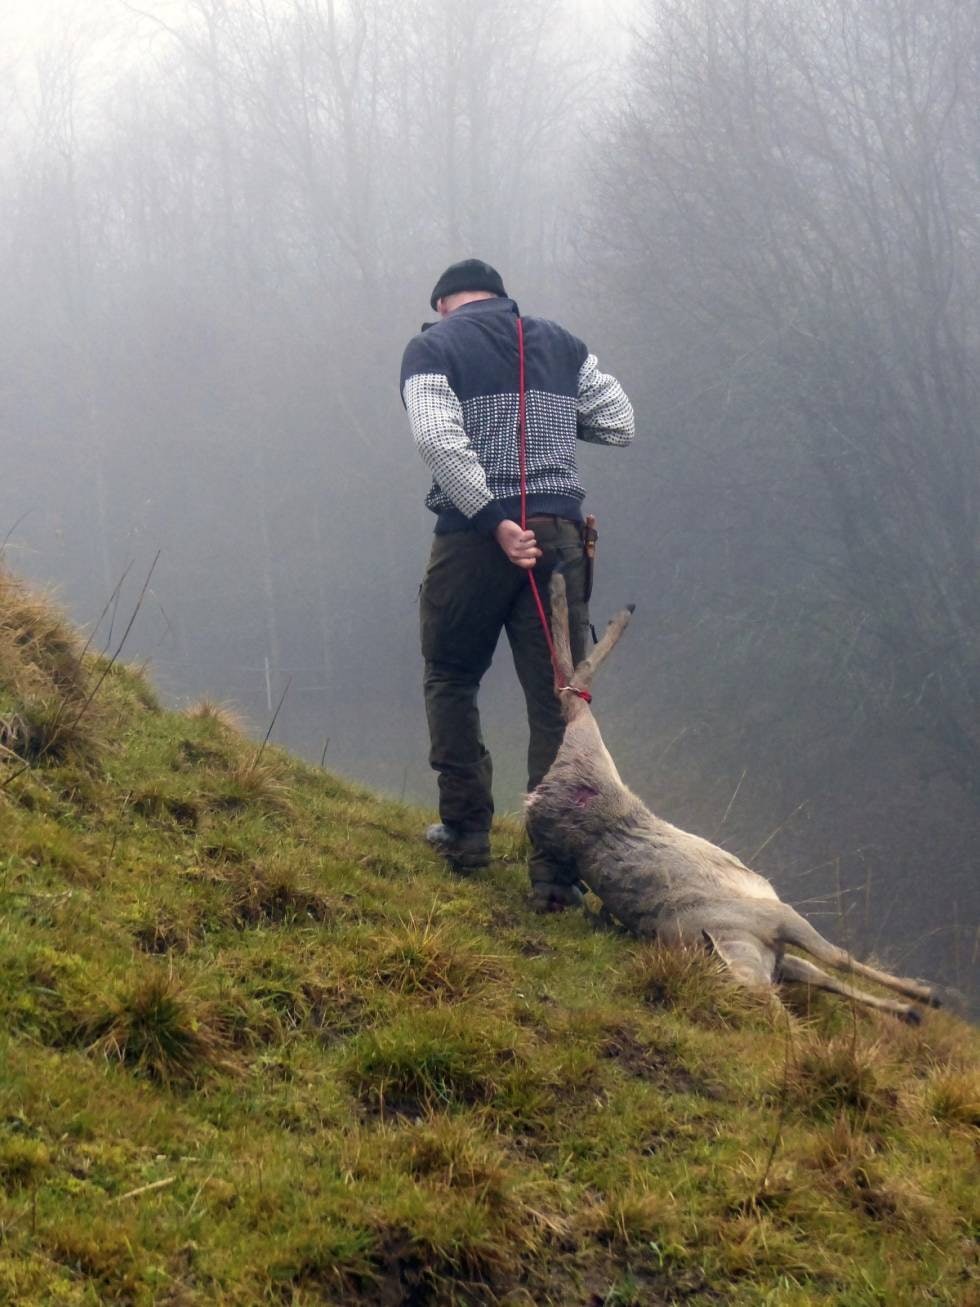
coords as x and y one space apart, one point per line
605 415
436 417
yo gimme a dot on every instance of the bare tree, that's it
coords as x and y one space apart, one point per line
800 181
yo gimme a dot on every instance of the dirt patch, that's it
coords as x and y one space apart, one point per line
534 948
167 808
259 902
163 937
191 754
637 1057
648 1283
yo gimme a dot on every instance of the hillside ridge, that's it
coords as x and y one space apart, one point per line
258 1047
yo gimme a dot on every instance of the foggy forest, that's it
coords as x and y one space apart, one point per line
220 222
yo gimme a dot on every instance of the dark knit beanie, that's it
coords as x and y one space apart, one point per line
469 274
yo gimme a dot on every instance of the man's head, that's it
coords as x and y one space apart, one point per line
470 279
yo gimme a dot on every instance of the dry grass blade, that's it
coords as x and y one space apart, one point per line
147 1189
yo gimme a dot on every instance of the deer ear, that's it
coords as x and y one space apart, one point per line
747 958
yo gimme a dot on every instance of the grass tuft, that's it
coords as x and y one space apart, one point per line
44 681
272 893
697 985
418 957
224 716
37 643
843 1145
257 783
22 1161
134 679
937 1043
429 1060
163 804
95 1250
636 1214
455 1158
843 1075
850 1161
160 1030
164 933
886 1199
323 1261
953 1098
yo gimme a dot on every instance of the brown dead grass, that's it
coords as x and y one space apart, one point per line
953 1098
40 651
44 679
223 715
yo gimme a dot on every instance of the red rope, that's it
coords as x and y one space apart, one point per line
522 466
522 424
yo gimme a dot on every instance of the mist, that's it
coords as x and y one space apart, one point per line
220 225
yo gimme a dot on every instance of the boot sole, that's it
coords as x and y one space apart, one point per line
463 864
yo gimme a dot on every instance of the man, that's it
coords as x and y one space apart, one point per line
460 385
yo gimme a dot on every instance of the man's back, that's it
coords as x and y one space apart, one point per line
464 371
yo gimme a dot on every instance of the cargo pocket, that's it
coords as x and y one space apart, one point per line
448 567
452 603
435 593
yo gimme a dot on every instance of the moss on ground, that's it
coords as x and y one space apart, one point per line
257 1047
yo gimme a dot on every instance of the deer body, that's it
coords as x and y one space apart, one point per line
663 882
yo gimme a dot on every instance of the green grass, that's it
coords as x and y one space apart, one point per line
257 1047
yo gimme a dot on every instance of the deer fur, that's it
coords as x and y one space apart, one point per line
662 882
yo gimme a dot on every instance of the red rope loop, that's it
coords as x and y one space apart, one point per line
522 467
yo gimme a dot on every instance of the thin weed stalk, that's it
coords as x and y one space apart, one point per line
781 1115
268 735
113 598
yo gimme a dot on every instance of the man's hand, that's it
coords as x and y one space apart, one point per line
519 546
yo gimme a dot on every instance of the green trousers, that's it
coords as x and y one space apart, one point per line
471 593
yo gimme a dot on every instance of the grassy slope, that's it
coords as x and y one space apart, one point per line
351 1080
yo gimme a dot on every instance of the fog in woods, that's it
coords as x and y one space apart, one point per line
220 221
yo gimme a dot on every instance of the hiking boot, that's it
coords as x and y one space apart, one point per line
551 896
463 852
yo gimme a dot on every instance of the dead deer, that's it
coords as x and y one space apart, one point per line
662 882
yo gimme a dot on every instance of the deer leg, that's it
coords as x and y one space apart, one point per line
749 960
797 932
799 971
